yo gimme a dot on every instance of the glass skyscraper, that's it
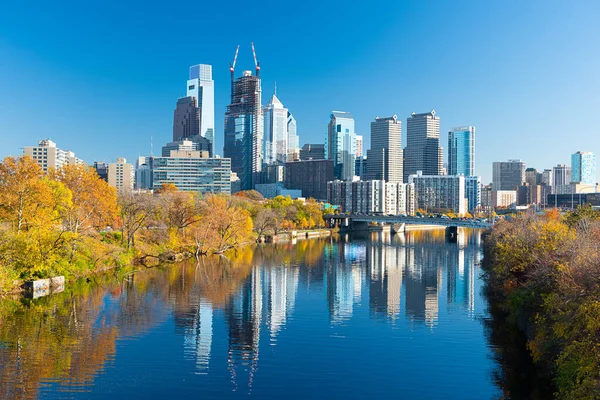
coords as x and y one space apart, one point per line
385 158
461 151
423 151
583 168
201 86
341 144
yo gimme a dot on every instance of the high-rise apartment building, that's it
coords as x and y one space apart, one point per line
440 193
276 136
583 168
461 151
423 151
473 192
386 156
201 86
341 144
507 175
372 196
561 175
47 155
244 129
121 175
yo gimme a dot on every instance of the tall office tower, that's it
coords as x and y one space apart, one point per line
312 152
202 87
47 155
385 156
341 144
244 128
506 175
275 145
583 168
359 146
293 140
561 175
186 118
461 151
547 178
532 177
423 151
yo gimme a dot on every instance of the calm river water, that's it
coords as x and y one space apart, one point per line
373 316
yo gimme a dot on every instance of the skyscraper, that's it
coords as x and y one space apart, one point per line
583 168
561 175
423 151
201 86
186 118
385 156
341 144
359 146
461 151
275 145
507 175
293 141
244 129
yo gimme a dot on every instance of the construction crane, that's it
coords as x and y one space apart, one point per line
232 68
256 63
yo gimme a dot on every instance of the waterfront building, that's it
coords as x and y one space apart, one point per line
473 192
561 176
201 86
310 176
583 168
341 144
47 155
507 175
275 145
504 198
461 151
423 151
386 156
244 129
121 175
372 197
439 193
311 151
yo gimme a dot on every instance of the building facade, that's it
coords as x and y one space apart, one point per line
473 192
423 151
340 145
372 197
244 129
293 140
507 175
561 176
504 198
583 168
386 156
275 145
121 175
310 176
312 151
201 86
439 193
461 151
47 155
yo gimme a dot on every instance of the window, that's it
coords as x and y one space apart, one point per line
191 87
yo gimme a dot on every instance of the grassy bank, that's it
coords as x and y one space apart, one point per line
543 272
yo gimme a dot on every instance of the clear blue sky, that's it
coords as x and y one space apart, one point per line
101 78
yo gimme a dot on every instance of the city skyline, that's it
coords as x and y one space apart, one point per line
94 87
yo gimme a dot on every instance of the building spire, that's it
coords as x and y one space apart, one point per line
275 90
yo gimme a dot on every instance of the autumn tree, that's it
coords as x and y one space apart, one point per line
135 212
179 209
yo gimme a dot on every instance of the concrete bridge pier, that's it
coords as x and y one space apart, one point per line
452 233
398 228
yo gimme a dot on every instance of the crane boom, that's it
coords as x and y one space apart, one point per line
256 63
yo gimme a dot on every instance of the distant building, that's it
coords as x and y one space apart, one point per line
461 151
423 151
504 198
473 192
507 175
440 193
143 174
359 146
310 176
293 140
486 197
275 145
192 143
121 175
201 86
47 155
101 169
561 175
271 174
341 144
312 152
386 156
360 167
583 168
271 190
529 194
532 177
371 197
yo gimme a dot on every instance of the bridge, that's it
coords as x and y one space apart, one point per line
398 223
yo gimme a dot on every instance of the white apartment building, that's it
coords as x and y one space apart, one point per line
440 193
121 175
47 155
371 197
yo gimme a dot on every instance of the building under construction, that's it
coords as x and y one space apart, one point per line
244 125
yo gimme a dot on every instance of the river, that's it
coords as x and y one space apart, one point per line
372 316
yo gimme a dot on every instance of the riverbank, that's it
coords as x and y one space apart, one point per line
542 273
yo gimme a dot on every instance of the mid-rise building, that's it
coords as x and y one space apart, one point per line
386 156
121 175
310 176
47 155
340 145
473 192
532 177
372 197
507 175
311 151
101 169
561 176
193 143
583 168
275 145
360 167
486 197
423 151
143 174
504 198
440 193
359 146
201 86
461 151
244 129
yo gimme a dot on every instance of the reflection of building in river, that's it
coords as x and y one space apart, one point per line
344 281
385 264
282 288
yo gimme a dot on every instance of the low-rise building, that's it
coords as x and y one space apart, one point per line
504 198
47 155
